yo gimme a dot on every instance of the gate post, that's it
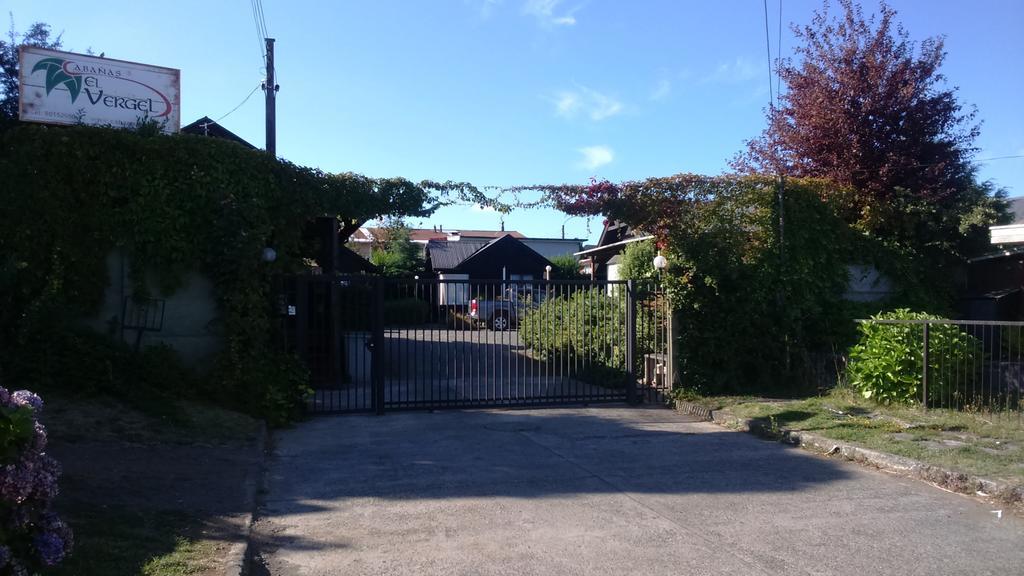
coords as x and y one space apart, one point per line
302 313
631 395
377 359
673 334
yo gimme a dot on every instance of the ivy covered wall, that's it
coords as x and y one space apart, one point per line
759 305
171 204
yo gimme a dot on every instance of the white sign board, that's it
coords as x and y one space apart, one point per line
65 88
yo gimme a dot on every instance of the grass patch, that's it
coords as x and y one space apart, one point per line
72 418
979 444
121 541
114 494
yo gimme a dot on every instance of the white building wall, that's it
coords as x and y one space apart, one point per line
454 294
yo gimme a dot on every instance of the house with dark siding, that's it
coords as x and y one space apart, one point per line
504 258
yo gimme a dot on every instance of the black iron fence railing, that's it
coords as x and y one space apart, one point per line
374 343
966 365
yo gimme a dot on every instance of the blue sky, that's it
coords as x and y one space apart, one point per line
507 92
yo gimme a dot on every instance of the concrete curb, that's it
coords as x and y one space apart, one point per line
239 557
908 467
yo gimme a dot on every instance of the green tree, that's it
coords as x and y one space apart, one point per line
638 260
394 252
38 34
868 108
564 267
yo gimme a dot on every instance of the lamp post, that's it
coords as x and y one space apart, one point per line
660 263
268 255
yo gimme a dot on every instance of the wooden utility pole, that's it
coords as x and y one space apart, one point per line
270 88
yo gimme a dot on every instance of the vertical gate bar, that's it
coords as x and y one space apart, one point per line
417 359
333 329
377 358
446 320
924 369
477 354
630 341
563 330
302 312
435 351
673 333
503 348
989 342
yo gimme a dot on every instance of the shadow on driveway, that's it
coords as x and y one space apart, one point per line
610 490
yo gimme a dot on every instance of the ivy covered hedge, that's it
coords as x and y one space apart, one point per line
171 203
757 310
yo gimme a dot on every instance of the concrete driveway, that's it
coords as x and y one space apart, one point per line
610 490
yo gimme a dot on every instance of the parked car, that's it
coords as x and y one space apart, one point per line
504 314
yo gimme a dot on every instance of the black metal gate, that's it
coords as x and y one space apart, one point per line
376 344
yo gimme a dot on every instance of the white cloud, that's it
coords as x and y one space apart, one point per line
601 106
595 156
544 12
739 70
597 106
483 7
567 104
662 89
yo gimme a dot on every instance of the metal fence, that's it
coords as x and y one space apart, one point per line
974 366
375 343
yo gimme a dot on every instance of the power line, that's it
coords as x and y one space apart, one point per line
1000 158
768 47
929 164
259 31
263 20
778 75
246 99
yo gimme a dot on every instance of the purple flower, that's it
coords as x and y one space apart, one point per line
17 481
44 485
38 439
50 547
26 398
28 483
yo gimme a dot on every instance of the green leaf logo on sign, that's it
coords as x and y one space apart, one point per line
55 76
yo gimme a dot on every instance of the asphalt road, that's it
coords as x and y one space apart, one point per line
602 491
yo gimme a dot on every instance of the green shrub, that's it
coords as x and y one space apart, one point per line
887 362
638 260
406 311
586 329
565 267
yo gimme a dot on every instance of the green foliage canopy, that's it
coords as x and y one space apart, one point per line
638 260
755 307
171 203
394 253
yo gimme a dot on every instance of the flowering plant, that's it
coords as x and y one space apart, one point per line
31 535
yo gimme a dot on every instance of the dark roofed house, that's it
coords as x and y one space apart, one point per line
503 258
363 239
601 259
207 127
993 286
